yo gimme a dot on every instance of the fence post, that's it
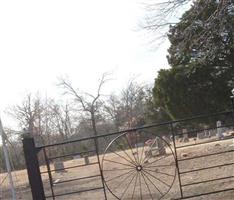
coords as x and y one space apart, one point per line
232 99
34 175
176 159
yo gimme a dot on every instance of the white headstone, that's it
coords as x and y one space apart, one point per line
185 135
219 129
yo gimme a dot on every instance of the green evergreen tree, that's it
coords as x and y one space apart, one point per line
201 57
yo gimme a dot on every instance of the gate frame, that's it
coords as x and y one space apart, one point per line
33 169
34 174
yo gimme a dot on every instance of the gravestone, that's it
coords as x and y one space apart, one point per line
140 144
59 167
86 159
206 132
177 137
160 145
212 133
185 135
201 135
168 140
219 129
76 157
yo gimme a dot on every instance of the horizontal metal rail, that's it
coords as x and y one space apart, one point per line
195 170
71 154
206 181
78 179
206 155
207 193
75 192
76 166
136 129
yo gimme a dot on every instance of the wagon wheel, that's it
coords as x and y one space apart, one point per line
139 165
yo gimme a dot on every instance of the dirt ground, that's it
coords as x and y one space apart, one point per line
118 185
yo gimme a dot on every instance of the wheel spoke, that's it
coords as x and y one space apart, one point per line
124 180
147 186
119 175
124 158
137 148
153 184
118 163
126 153
152 166
163 157
159 172
135 185
149 158
131 148
127 187
151 146
140 185
142 152
107 170
157 178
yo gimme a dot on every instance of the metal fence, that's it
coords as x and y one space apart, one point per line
178 159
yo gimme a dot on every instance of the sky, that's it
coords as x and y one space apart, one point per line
41 41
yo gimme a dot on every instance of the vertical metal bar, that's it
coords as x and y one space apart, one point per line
100 168
34 175
176 160
232 99
7 161
96 148
49 173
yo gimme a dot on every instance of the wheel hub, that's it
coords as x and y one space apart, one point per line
139 168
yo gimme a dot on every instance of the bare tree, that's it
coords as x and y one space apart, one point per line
43 118
29 116
132 98
62 119
160 15
128 108
87 103
113 111
164 13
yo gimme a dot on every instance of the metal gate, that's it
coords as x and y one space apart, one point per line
195 157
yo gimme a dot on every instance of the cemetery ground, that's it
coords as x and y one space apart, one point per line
23 189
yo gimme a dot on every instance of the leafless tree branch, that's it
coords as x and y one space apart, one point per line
90 106
162 14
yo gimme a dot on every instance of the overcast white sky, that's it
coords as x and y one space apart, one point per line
43 40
